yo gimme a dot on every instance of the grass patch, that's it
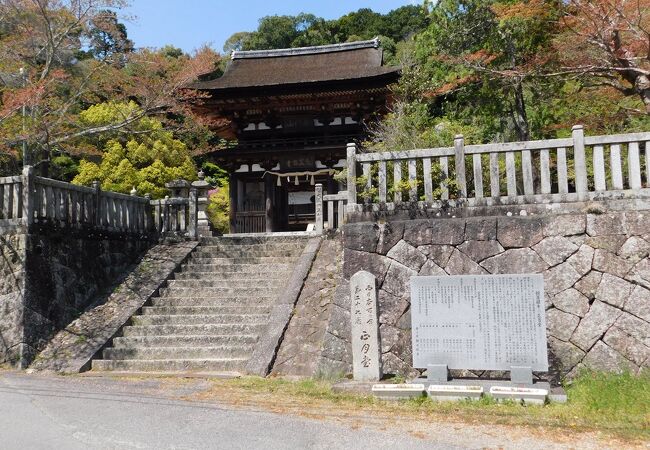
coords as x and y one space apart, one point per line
616 405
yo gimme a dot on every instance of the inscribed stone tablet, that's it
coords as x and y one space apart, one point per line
366 348
484 322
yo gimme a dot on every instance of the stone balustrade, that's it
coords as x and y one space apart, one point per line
579 168
31 200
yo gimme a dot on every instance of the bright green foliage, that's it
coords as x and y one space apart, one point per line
214 174
410 126
219 209
145 160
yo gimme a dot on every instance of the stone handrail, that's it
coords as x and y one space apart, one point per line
29 200
556 170
175 216
11 198
335 208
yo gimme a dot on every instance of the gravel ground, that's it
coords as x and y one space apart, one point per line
44 412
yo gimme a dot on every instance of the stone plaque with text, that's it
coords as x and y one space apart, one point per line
366 347
483 322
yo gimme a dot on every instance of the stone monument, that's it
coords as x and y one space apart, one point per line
366 347
482 322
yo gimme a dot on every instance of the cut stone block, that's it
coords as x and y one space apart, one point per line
588 285
605 224
519 232
582 260
627 345
604 358
560 278
517 260
635 249
430 268
639 303
407 255
451 392
481 229
565 225
614 290
528 395
608 262
568 354
397 279
461 264
560 324
398 391
480 250
555 249
572 301
599 318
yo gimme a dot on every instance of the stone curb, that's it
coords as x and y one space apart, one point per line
262 359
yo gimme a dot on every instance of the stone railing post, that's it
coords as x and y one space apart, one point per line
28 195
459 165
352 174
148 213
97 203
318 200
579 159
192 214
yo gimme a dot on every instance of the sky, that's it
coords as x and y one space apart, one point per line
189 24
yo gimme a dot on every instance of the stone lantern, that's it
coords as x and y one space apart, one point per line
178 188
202 188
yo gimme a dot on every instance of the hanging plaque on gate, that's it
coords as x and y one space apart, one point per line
483 322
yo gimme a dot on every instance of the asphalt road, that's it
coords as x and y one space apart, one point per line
48 412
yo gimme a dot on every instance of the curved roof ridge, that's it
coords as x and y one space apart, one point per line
330 48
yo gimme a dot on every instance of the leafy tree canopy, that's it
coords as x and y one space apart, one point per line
307 30
146 158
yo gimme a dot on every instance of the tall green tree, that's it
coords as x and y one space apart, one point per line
480 51
146 158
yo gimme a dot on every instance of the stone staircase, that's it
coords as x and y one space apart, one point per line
210 317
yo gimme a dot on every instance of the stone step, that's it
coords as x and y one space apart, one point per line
267 283
238 253
268 246
223 351
197 266
194 330
232 276
198 300
198 319
185 310
267 260
251 240
171 365
216 291
185 341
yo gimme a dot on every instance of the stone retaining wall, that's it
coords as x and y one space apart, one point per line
50 278
596 271
13 243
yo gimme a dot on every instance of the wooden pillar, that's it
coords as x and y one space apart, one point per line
332 185
233 188
269 193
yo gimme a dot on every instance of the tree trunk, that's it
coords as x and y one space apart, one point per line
642 87
519 113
